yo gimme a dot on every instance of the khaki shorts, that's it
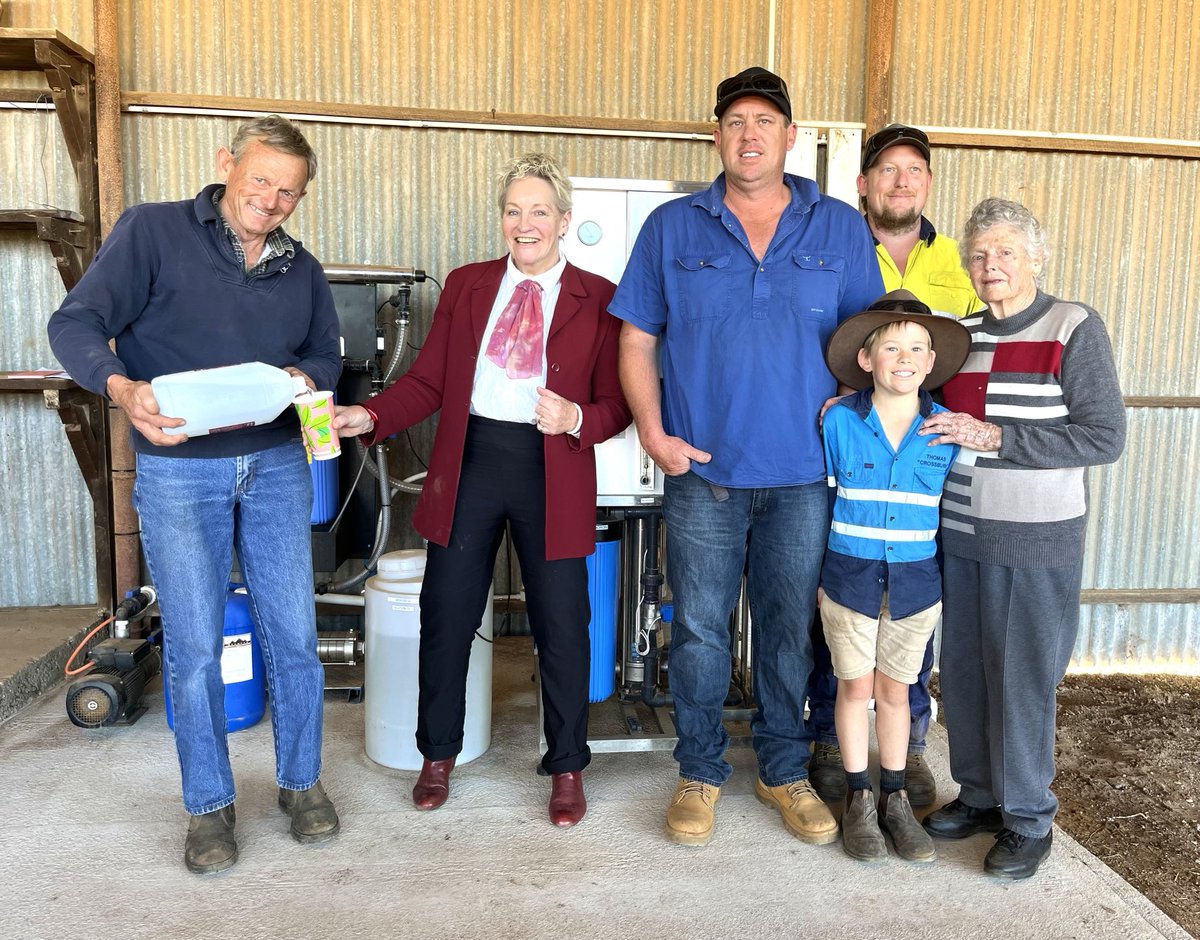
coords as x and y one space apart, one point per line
858 643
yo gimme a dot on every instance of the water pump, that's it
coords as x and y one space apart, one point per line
111 691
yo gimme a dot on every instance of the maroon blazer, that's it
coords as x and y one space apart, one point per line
581 358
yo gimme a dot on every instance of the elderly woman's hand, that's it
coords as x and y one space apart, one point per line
960 428
554 414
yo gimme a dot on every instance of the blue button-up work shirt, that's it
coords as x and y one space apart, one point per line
885 516
742 338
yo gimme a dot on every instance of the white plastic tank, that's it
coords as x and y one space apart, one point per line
225 398
392 643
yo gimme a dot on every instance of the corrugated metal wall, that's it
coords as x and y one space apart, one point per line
47 544
1122 228
537 56
822 48
1072 66
1122 231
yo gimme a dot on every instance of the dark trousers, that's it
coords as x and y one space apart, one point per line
503 481
1009 635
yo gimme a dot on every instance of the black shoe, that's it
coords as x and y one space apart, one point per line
1015 855
826 773
957 820
210 845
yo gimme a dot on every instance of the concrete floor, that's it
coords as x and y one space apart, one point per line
35 643
92 837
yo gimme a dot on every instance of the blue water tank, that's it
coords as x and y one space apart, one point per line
241 665
603 568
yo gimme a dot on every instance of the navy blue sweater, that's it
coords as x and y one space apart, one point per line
167 286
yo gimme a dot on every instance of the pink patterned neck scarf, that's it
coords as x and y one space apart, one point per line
516 343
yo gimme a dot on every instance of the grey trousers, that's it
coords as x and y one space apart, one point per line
1008 634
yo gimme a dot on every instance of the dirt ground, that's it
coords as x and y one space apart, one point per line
1128 748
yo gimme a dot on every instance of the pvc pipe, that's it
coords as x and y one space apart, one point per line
341 600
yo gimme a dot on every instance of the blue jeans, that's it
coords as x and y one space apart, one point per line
194 512
822 691
777 537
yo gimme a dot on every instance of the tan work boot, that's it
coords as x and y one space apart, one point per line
803 812
690 815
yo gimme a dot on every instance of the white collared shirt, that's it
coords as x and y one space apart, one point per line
494 394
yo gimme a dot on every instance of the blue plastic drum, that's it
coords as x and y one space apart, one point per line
241 666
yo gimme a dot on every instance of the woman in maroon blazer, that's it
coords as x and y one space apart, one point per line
522 361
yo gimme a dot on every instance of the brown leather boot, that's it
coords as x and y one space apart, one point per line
433 785
896 819
210 844
567 802
861 837
313 817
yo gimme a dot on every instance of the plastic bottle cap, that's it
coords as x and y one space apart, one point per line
299 386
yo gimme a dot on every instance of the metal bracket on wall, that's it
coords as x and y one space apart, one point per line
70 73
85 420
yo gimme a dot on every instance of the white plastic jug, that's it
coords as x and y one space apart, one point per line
225 398
392 643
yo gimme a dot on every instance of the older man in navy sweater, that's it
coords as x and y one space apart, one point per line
206 282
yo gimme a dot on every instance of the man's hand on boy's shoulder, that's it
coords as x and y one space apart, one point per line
844 391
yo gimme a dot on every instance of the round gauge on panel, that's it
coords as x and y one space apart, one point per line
589 233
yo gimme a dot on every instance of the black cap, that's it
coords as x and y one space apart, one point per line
891 135
755 81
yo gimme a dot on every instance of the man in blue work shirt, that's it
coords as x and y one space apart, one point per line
739 287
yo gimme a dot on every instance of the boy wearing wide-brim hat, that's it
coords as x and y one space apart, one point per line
882 594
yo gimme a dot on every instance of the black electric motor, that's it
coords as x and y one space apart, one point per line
112 691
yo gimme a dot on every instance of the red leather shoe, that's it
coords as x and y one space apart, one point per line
433 785
567 803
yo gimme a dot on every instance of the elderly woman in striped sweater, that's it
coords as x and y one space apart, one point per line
1036 403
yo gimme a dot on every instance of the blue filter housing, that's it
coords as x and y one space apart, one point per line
325 489
241 665
602 567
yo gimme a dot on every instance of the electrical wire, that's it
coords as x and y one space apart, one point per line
349 495
412 447
96 628
428 277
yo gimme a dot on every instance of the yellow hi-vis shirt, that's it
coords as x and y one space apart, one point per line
934 273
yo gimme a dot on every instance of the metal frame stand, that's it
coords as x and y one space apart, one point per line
645 712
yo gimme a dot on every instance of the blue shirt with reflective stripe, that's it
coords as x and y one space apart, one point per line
742 340
885 516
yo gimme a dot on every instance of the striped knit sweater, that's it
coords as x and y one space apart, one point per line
1046 377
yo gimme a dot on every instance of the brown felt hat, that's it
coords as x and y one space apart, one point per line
951 341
